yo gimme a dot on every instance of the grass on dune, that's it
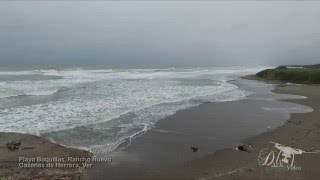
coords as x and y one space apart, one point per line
298 75
4 135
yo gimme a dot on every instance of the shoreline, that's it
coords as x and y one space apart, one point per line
231 164
214 161
167 145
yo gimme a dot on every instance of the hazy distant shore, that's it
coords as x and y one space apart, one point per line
302 75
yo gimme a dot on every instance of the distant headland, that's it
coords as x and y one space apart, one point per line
308 74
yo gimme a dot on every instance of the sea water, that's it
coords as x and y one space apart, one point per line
98 109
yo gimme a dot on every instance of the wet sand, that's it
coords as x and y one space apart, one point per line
302 131
164 152
215 128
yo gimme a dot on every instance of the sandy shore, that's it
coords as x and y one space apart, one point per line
302 131
164 151
18 164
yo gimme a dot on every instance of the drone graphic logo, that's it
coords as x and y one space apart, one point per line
283 157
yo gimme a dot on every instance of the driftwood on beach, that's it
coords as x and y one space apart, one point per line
13 145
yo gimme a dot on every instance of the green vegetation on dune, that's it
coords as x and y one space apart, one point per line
4 135
296 75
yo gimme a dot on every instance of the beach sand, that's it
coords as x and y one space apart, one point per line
34 147
164 151
302 131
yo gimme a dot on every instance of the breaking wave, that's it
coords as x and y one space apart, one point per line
109 106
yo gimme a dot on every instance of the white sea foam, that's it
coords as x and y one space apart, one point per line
267 109
13 73
98 96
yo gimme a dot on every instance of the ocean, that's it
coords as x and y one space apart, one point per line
98 109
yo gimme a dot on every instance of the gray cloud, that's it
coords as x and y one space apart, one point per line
185 33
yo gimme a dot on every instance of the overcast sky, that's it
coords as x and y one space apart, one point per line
168 34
